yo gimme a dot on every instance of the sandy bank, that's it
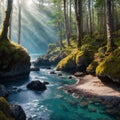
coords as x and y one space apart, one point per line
94 86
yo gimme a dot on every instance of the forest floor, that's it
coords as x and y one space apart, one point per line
93 85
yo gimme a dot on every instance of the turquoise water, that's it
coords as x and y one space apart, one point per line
53 104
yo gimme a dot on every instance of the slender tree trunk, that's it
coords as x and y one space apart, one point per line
89 8
66 23
10 26
19 22
93 22
78 12
113 14
116 18
110 43
87 24
6 21
70 17
60 26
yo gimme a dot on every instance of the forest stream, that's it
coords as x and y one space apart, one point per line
53 103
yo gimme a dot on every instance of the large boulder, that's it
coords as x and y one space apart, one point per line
109 68
68 64
36 85
14 61
76 61
17 112
48 59
3 91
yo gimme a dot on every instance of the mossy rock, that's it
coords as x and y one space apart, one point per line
68 64
92 67
14 60
110 66
5 113
76 61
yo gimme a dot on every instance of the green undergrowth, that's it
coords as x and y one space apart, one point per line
94 49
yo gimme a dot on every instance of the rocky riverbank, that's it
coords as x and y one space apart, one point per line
92 89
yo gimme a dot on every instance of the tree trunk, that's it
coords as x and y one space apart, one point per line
10 26
70 17
19 22
78 12
6 21
110 43
60 26
89 8
104 34
66 23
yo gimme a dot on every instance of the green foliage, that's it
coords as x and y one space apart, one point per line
92 67
52 46
110 65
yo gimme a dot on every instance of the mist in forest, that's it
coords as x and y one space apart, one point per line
36 32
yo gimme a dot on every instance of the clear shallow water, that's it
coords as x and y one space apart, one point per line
52 104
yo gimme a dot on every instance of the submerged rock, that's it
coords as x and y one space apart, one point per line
84 104
3 91
14 61
46 83
52 72
59 74
70 77
35 69
17 112
36 85
92 109
48 67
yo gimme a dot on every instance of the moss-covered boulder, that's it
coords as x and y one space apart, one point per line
109 68
14 61
68 64
76 61
5 113
92 67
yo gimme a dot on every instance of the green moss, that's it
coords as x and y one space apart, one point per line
75 59
101 53
5 113
3 116
110 65
11 53
68 62
78 56
92 67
